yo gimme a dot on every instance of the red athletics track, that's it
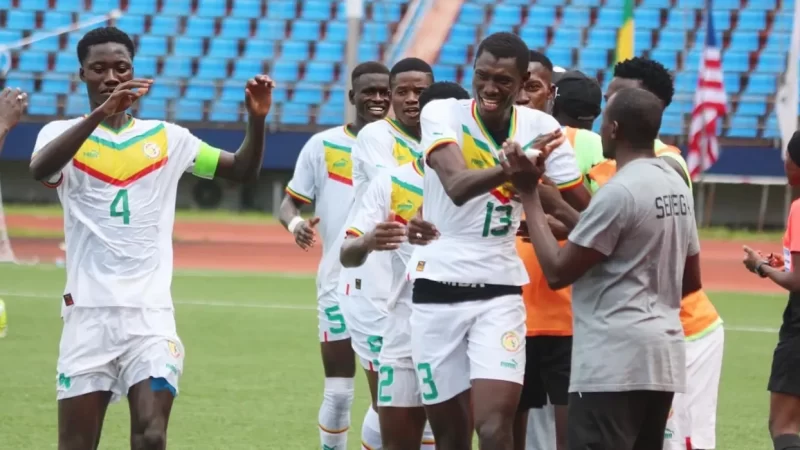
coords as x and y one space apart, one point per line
269 248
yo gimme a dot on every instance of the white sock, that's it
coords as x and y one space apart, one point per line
334 414
428 443
371 431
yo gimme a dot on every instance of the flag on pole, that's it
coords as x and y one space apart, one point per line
625 33
786 98
710 104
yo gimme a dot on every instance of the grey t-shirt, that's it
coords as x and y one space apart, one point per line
627 332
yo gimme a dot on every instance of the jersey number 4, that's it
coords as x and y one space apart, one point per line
504 211
119 207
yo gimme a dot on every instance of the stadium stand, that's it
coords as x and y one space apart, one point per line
200 58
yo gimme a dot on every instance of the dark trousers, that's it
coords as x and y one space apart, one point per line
633 420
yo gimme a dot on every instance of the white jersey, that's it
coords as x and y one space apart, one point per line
324 175
477 242
399 190
380 145
118 195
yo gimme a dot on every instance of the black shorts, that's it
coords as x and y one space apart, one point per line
547 368
785 375
633 420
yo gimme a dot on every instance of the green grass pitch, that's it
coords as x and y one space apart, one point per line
252 376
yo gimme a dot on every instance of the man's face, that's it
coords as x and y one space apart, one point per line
406 90
370 95
496 84
105 67
608 134
537 91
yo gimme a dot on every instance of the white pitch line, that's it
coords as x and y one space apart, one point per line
224 304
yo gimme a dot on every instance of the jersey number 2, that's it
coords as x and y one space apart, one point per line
119 206
504 219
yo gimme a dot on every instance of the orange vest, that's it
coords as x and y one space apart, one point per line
549 312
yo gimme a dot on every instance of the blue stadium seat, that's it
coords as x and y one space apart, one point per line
331 114
257 48
466 79
273 30
280 95
647 19
188 46
285 71
385 12
669 58
48 44
672 40
547 2
187 110
8 36
671 124
609 18
152 108
223 48
728 4
224 112
375 32
235 28
736 61
752 20
783 22
742 127
212 69
593 59
42 104
176 7
444 72
294 114
763 84
722 20
307 30
732 82
540 16
211 8
246 9
336 96
329 51
55 19
55 84
575 17
294 51
31 5
307 94
642 40
768 5
777 42
560 56
319 72
68 63
104 6
77 105
22 81
142 7
471 14
33 62
771 129
534 37
336 32
567 38
68 6
659 4
771 62
177 67
244 69
751 108
199 26
130 23
691 4
679 20
164 25
368 51
601 38
744 41
281 9
316 10
508 15
494 28
152 45
462 34
232 91
691 59
200 90
20 20
452 54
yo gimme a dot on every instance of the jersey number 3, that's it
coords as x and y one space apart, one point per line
119 207
505 220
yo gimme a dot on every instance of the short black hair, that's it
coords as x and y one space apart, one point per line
653 75
541 58
637 112
104 35
506 45
369 67
442 90
410 65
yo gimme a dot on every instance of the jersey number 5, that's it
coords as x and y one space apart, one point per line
505 220
119 207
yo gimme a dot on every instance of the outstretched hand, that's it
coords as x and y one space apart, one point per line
258 95
421 232
305 234
388 235
752 259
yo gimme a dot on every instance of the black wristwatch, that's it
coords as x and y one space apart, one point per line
759 271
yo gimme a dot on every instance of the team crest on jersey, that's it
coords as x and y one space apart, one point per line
174 350
151 150
420 266
510 341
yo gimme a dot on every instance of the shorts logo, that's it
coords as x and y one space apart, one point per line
420 266
151 150
173 349
510 364
68 300
358 283
668 433
510 341
64 381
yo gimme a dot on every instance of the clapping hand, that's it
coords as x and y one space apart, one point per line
13 103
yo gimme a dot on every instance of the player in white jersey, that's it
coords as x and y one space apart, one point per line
117 179
396 192
324 175
382 144
468 319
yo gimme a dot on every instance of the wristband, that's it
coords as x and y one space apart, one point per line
296 220
759 271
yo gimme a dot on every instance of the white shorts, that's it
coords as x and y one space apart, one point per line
694 414
453 344
332 325
398 385
112 349
366 320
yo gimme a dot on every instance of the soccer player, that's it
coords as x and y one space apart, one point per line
695 412
784 379
628 356
468 319
117 178
391 201
380 145
324 175
538 91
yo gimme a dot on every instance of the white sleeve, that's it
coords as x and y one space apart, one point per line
303 186
45 136
373 207
561 167
439 125
370 154
192 154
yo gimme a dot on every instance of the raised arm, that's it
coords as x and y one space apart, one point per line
245 163
56 154
12 105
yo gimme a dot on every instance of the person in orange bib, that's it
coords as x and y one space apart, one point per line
693 417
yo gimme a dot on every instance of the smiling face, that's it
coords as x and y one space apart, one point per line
105 67
496 85
406 89
537 90
370 95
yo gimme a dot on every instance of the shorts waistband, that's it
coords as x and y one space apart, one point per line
429 291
